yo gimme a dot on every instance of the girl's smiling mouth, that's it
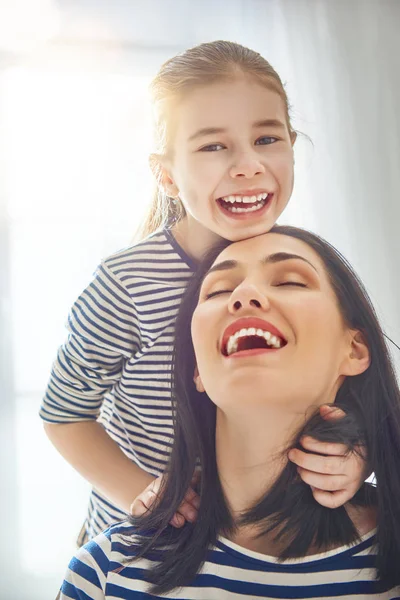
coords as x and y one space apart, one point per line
250 335
244 203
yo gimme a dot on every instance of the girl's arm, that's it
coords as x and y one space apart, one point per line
91 451
103 335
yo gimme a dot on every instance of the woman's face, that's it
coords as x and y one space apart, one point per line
267 327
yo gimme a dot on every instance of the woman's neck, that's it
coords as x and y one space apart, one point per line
251 454
250 457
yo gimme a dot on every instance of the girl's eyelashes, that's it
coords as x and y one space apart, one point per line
212 148
266 140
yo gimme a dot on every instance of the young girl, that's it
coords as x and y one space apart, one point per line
224 166
252 365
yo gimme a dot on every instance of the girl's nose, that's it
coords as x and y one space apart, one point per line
247 296
247 166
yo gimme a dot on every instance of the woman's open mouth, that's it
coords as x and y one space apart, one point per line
244 205
256 337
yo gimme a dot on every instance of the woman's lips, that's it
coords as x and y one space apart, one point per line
253 334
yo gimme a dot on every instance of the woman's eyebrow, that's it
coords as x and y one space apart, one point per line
281 256
228 265
225 265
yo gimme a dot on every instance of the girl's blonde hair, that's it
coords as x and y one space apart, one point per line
205 64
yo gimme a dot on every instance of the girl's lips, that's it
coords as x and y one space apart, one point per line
246 215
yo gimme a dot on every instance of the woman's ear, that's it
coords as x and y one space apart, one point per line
358 358
197 381
162 174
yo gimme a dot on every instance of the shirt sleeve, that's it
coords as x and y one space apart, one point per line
103 333
87 572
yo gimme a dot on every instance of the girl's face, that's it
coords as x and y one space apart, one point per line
231 158
267 329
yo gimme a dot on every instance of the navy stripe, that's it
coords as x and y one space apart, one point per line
345 573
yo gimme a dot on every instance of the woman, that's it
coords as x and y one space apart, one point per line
277 327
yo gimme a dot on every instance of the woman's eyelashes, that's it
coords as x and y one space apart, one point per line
279 284
289 283
217 293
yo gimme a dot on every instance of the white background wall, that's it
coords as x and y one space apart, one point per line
74 139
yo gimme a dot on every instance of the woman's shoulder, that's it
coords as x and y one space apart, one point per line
118 538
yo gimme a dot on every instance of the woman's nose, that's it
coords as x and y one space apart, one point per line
247 296
246 165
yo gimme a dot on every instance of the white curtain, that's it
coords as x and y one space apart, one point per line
74 137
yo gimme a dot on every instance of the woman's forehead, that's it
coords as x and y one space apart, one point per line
258 248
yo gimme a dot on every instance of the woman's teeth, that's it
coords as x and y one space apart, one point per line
252 202
233 342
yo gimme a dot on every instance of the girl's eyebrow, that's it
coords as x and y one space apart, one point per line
228 265
216 130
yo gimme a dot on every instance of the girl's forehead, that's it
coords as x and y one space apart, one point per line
223 103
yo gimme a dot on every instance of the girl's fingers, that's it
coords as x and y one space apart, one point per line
326 465
188 511
329 448
331 412
177 520
192 498
137 508
330 499
185 513
331 483
143 502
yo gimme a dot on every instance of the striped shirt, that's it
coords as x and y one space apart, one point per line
115 365
103 569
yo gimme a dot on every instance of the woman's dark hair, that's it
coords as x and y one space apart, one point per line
371 402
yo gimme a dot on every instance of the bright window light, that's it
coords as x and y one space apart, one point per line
77 185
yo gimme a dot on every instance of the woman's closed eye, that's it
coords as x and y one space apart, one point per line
288 283
217 293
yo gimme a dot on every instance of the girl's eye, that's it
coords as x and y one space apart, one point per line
212 148
266 140
217 293
296 283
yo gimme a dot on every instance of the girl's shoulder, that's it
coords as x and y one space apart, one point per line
157 256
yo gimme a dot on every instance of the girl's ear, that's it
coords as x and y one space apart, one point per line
293 137
197 381
358 358
161 172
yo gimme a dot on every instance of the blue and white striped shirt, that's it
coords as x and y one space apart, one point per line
115 365
103 570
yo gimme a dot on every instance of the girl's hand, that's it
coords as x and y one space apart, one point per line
334 478
148 499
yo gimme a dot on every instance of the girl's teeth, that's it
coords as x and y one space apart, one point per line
235 209
246 199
